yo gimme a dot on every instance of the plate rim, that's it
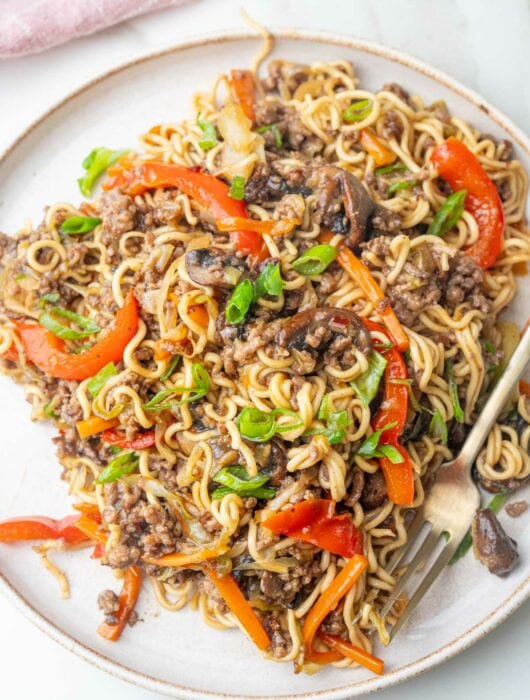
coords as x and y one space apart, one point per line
414 668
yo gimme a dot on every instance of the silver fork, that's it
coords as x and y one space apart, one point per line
451 503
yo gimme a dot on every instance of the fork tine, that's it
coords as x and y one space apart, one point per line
431 576
412 533
423 552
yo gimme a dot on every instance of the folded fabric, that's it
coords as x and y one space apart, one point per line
28 26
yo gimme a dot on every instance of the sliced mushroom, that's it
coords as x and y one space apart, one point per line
356 487
212 267
323 333
491 544
498 485
337 189
374 491
272 459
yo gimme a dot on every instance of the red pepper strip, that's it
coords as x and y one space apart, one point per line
458 166
11 353
210 193
399 477
524 388
47 350
132 581
99 551
142 442
243 88
38 527
315 522
359 655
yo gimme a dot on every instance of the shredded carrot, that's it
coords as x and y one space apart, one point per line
328 601
91 529
358 654
524 388
86 508
270 226
362 276
376 148
240 607
94 425
199 315
183 559
132 582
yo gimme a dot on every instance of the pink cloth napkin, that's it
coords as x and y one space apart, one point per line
28 26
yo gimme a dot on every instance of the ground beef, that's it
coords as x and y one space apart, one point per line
517 508
295 135
118 212
392 125
398 91
285 75
146 530
109 602
503 147
422 283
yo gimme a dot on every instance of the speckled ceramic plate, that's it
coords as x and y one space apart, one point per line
175 653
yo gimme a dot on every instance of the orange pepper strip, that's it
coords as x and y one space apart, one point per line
270 226
132 582
328 601
86 508
243 88
239 605
199 315
91 529
94 425
47 351
379 152
362 276
183 559
362 657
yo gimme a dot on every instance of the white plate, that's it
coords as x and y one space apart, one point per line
175 653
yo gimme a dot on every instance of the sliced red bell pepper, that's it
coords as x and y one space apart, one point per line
243 88
399 477
458 166
47 351
315 522
132 581
38 527
140 442
210 193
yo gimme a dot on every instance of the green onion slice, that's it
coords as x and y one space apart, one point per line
51 298
394 168
237 188
453 392
372 448
269 281
118 467
86 325
209 133
237 480
48 411
201 387
401 185
95 164
357 111
336 423
315 260
273 128
95 384
367 384
438 427
259 426
239 303
448 214
80 224
170 368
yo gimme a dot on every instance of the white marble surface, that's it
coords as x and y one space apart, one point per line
483 43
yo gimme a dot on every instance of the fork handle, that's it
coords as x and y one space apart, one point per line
495 403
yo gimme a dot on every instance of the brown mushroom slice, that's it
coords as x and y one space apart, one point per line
491 544
212 267
374 492
322 333
272 459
